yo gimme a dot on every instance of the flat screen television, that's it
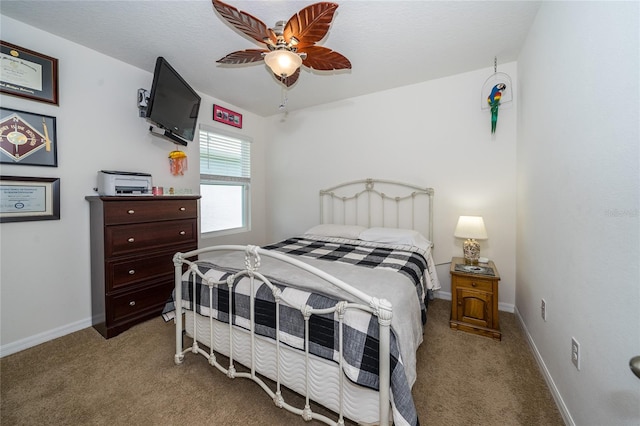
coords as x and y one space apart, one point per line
172 105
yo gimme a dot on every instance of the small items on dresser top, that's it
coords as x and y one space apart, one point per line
112 183
160 190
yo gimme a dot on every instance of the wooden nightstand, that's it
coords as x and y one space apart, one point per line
474 300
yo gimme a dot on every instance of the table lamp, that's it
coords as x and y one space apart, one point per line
472 228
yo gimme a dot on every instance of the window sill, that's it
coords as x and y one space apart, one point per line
214 234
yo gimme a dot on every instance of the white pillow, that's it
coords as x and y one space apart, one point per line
395 236
334 230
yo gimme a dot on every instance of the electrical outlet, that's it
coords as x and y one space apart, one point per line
575 353
543 309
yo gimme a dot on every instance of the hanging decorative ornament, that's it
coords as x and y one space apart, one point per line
494 103
496 91
177 163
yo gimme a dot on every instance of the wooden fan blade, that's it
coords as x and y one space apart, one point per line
289 81
244 22
323 59
311 24
243 57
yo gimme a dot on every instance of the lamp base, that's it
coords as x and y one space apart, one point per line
471 250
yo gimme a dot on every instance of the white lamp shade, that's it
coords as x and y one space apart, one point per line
471 227
283 62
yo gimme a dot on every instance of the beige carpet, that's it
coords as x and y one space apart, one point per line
82 379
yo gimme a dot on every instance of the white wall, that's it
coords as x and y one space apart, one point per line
45 270
578 204
575 119
432 134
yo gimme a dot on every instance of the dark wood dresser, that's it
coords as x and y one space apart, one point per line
133 240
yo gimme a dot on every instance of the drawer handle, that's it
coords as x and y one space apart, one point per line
132 303
131 211
474 284
131 272
183 209
182 233
131 239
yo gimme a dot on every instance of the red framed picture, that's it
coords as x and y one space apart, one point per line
227 116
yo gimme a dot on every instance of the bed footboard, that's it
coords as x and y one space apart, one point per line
381 308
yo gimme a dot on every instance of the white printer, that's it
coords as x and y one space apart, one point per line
111 182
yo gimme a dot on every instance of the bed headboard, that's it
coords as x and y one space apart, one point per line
377 202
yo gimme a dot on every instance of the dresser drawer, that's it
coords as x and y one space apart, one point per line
135 211
133 270
137 303
474 283
129 239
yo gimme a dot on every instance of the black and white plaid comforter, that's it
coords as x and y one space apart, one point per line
360 329
408 262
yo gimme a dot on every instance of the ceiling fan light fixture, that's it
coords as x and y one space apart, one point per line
283 62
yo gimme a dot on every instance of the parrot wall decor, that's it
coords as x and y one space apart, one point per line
494 103
496 93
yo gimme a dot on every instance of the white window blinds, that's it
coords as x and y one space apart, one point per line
224 157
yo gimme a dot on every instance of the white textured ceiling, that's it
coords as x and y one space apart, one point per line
389 43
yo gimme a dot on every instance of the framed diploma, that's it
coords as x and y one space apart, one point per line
28 74
27 138
29 198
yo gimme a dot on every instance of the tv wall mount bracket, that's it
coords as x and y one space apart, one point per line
143 99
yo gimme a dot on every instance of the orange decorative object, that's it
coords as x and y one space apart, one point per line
177 163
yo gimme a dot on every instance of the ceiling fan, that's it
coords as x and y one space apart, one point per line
289 44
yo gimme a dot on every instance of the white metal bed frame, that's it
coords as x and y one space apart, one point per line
381 308
334 205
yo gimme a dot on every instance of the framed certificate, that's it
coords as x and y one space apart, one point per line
28 74
29 198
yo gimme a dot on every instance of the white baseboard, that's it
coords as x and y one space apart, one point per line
564 411
445 295
506 307
20 345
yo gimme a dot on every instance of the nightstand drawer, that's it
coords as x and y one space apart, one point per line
128 239
142 211
474 283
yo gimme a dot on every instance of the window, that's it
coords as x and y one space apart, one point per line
225 179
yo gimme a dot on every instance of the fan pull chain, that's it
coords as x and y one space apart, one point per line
283 99
495 64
